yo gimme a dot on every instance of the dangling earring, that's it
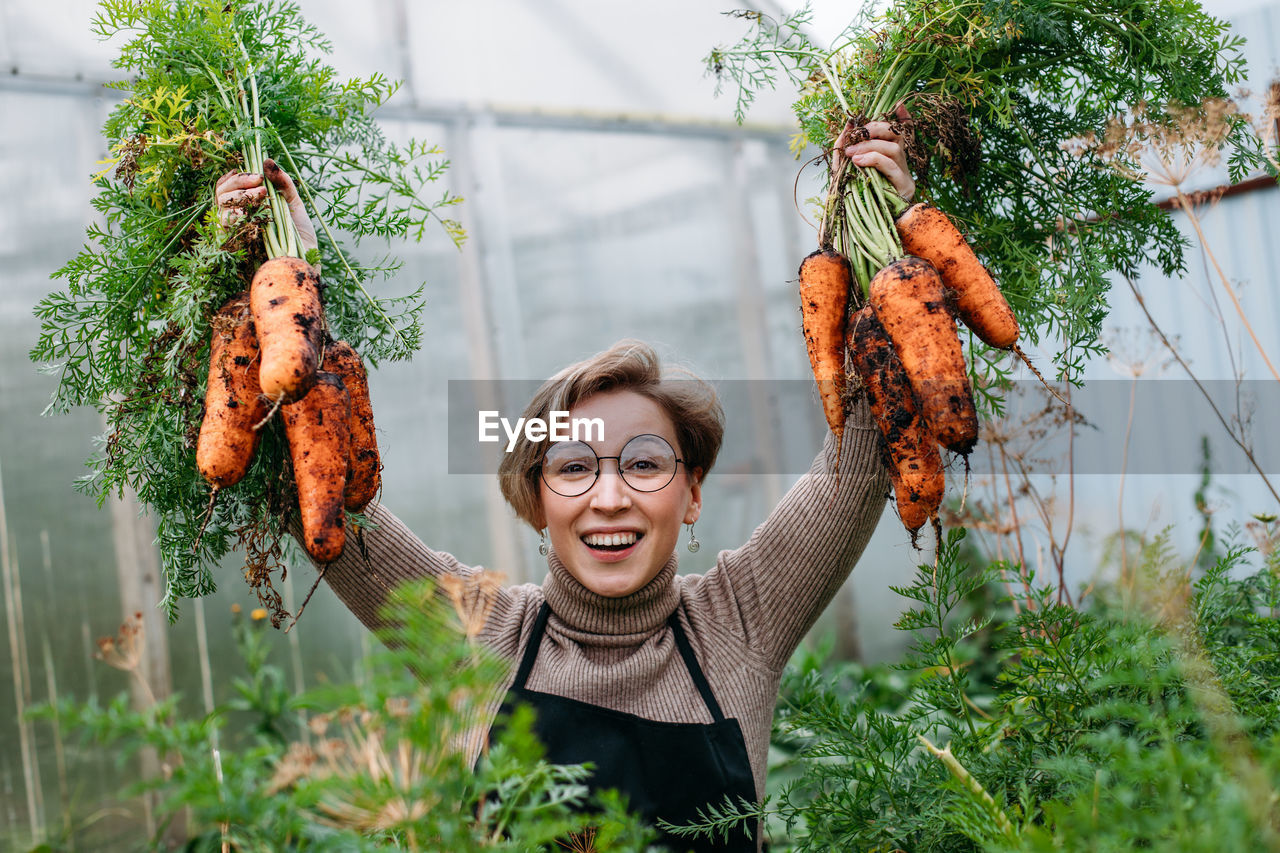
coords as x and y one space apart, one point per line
543 549
694 544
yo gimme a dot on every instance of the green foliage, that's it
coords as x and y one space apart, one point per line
386 764
217 86
1149 720
1007 99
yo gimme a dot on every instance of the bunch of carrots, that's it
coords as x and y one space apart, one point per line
155 324
899 335
270 352
990 94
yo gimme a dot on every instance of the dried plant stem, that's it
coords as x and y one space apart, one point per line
59 753
206 669
51 690
21 689
1124 467
147 694
1060 550
208 516
1017 527
86 645
1164 339
224 826
310 592
295 649
1188 209
1017 350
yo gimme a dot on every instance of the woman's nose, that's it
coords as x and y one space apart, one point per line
610 493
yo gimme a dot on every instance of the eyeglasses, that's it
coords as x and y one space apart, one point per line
646 463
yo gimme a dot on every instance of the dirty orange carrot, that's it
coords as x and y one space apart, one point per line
908 299
825 279
366 465
285 301
233 401
319 441
915 466
928 233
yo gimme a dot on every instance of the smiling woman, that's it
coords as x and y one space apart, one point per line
614 533
666 683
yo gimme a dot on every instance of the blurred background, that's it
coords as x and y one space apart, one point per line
608 194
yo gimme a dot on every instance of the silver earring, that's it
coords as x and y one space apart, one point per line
543 549
694 544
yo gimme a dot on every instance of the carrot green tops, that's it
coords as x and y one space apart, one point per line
743 618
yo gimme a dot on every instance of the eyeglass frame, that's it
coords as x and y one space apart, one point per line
542 471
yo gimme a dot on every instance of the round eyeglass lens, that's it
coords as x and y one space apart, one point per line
570 467
647 463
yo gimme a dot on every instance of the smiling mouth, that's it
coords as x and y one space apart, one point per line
611 541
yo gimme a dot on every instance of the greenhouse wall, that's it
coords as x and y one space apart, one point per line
607 195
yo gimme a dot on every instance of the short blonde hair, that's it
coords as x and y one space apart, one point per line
628 365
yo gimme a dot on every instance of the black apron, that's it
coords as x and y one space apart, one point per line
666 770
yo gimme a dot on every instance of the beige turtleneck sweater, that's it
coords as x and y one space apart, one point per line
743 618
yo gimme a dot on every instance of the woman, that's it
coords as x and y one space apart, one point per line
666 683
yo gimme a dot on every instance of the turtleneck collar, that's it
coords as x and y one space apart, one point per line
582 610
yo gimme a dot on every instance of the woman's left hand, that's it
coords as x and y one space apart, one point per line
236 189
883 152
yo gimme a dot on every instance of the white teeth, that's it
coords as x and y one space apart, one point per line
609 539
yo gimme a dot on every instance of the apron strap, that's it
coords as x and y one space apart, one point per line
695 671
531 648
682 643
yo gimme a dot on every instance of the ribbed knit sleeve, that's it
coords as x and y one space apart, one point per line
777 584
390 554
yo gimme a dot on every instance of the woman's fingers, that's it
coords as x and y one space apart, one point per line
280 180
237 181
238 198
297 210
883 151
235 190
903 184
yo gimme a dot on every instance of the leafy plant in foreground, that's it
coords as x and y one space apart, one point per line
217 86
1148 721
381 765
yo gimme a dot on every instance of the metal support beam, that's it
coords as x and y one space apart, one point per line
753 330
444 112
484 277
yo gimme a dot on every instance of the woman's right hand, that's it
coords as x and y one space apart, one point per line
879 147
236 190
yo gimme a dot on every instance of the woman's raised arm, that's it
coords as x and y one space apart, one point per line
387 554
782 579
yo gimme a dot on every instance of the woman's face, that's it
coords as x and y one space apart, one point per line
582 528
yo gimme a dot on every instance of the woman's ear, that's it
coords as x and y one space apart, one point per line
694 509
